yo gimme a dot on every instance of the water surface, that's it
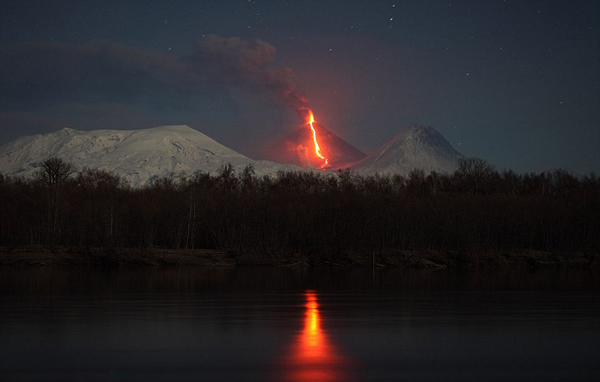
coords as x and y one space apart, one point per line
289 324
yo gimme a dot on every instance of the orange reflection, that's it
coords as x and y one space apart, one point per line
313 357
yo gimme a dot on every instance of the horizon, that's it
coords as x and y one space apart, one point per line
500 80
299 190
346 166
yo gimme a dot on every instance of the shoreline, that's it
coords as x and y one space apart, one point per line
132 257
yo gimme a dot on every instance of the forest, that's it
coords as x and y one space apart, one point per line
477 208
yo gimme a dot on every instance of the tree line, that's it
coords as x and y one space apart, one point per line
477 208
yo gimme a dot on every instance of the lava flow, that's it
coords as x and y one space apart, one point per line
311 121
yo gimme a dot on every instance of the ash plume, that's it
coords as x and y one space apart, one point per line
247 64
108 72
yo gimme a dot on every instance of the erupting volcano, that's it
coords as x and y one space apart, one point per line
314 146
311 121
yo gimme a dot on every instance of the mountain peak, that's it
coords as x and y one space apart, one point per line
416 147
298 147
422 133
67 131
183 128
417 127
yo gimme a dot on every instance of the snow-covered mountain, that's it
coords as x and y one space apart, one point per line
141 155
136 155
416 147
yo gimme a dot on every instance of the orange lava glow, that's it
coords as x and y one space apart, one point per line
311 121
313 357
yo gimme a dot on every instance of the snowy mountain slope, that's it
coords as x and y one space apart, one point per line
416 147
136 155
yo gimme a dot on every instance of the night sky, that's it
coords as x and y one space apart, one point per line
516 82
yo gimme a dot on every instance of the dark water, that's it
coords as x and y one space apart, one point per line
265 324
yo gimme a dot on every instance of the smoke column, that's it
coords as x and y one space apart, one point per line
110 70
247 64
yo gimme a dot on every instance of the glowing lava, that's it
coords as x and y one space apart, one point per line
311 121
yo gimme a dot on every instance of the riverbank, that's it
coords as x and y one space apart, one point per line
122 257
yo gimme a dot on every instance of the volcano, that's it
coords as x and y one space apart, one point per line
417 147
298 148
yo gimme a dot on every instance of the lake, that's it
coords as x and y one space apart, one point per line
298 324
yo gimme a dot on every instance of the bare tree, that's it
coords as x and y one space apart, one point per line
476 174
311 214
55 171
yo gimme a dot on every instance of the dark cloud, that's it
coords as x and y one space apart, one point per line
92 116
110 72
101 70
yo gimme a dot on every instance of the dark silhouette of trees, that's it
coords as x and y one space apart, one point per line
55 171
475 209
53 174
476 176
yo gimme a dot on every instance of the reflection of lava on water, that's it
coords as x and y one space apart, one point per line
313 357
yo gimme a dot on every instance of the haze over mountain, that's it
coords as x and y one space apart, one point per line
416 147
136 155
